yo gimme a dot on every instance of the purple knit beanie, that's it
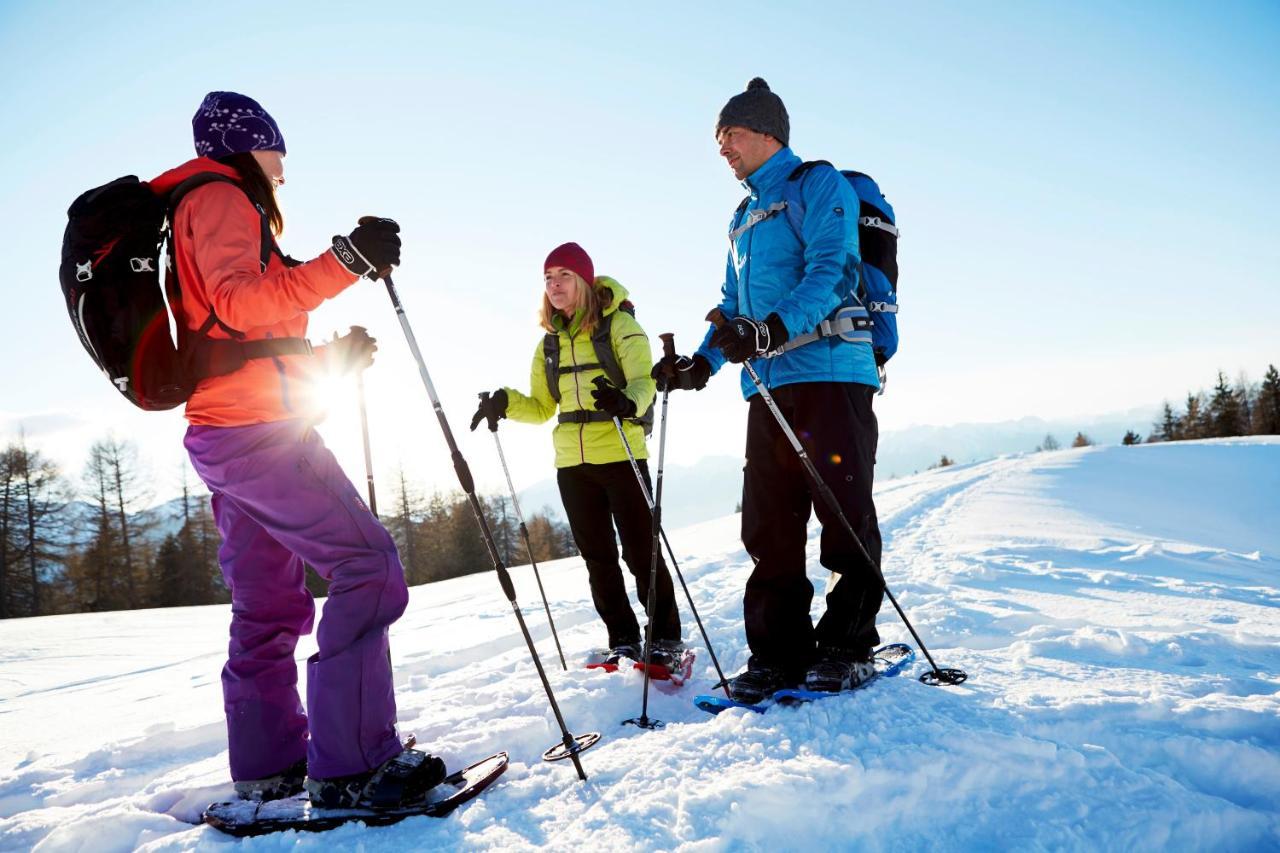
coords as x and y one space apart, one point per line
229 123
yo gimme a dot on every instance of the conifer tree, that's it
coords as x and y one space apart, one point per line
1266 410
1193 423
111 570
1165 429
1081 440
1131 438
405 526
1224 411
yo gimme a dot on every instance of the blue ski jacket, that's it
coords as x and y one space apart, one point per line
770 269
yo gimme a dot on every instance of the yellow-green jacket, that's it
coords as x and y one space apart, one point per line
595 443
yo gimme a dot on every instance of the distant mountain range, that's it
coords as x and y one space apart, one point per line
712 487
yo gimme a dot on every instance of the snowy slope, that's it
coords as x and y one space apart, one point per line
1117 609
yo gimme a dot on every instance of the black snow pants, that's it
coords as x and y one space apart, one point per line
596 497
837 427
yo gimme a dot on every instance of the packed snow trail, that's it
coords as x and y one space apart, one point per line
1117 610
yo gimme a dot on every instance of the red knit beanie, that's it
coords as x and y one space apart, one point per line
573 257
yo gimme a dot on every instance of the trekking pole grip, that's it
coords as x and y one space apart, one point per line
668 344
716 317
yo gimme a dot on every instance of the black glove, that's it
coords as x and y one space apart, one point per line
493 408
610 399
679 372
352 351
372 249
742 338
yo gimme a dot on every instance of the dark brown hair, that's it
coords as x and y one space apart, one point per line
258 187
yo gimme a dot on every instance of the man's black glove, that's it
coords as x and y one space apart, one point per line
493 408
742 338
679 372
372 249
352 351
610 399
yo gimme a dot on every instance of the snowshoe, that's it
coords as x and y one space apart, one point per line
752 690
670 662
241 818
886 662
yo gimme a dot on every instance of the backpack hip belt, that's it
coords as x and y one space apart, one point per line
583 416
852 324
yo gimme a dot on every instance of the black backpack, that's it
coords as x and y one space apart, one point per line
602 343
110 276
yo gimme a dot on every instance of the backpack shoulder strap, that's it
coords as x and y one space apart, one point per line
793 195
551 363
602 343
198 180
267 243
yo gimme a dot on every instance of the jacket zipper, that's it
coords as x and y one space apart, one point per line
573 355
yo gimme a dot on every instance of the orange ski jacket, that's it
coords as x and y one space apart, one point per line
217 235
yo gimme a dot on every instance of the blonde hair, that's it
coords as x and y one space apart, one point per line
590 300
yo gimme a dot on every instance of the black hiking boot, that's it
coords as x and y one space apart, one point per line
839 669
756 684
286 783
666 654
629 649
399 781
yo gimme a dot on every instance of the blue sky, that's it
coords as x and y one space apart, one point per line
1086 193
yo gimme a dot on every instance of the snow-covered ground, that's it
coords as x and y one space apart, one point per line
1117 609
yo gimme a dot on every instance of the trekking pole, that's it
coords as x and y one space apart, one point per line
937 676
570 746
643 720
368 455
648 499
524 531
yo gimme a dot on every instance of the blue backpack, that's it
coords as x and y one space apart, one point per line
877 285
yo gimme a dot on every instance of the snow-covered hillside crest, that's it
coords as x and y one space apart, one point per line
1117 609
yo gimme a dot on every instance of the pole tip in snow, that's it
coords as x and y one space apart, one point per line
945 676
644 722
581 743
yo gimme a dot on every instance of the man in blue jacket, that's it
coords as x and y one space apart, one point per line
779 287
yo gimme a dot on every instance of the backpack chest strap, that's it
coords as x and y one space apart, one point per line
755 217
576 368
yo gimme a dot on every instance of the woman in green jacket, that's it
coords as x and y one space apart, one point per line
588 323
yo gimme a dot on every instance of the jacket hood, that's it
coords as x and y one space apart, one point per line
602 281
165 182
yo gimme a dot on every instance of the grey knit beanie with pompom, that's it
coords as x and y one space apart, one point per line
757 109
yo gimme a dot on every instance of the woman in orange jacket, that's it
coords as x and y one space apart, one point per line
279 497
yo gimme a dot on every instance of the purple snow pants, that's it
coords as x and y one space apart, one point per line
279 499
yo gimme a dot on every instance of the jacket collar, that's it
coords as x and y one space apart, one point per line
602 281
166 181
772 172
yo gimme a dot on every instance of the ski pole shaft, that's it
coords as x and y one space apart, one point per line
571 745
947 676
675 564
524 531
368 454
655 548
